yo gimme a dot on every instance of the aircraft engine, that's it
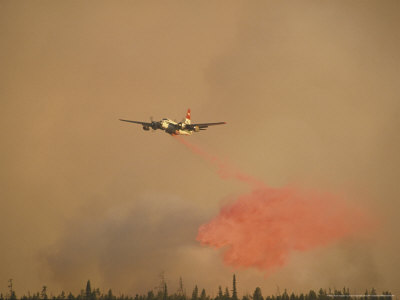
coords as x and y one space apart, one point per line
147 128
154 125
171 129
196 128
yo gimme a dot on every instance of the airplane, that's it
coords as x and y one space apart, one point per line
174 128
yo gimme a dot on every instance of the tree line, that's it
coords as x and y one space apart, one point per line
161 293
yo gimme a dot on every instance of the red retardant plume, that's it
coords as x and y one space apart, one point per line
262 228
225 171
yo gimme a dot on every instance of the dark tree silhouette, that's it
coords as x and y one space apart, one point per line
234 291
12 293
165 292
373 294
311 295
150 295
226 295
257 295
203 295
181 293
91 293
70 296
285 295
88 291
43 294
220 295
195 294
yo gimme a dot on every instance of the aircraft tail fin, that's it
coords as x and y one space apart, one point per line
187 119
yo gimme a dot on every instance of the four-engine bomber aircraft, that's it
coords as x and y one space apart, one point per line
173 128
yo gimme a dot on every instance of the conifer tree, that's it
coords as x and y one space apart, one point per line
312 295
43 294
234 291
88 291
366 294
373 294
220 295
257 295
181 294
195 294
226 295
12 293
322 294
62 296
150 295
285 295
165 294
203 295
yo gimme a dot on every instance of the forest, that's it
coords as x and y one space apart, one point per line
162 293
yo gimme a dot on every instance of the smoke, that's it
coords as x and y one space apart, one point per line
126 246
263 227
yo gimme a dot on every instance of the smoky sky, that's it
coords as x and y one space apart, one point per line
147 236
310 94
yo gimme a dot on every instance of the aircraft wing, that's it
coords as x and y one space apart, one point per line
136 122
205 125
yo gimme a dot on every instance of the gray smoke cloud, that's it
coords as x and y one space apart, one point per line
127 247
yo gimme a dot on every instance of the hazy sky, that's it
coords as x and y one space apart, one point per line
309 89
